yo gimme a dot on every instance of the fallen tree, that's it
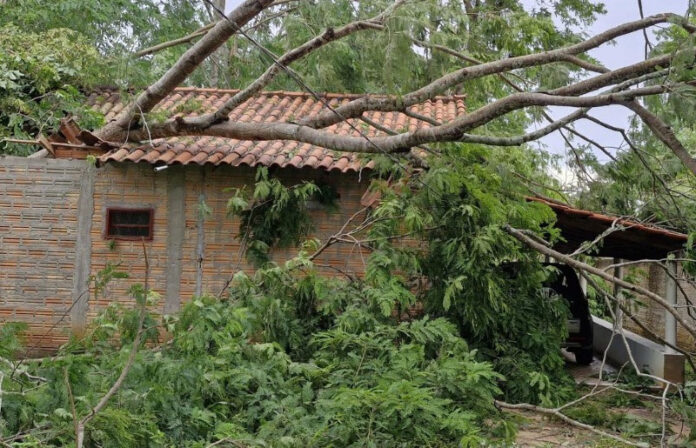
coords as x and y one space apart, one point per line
312 363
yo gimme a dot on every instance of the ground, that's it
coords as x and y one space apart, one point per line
633 418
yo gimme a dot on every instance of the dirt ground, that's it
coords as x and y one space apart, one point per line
540 431
537 430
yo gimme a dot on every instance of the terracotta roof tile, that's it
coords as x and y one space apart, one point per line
264 107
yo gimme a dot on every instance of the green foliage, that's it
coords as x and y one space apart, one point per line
11 339
352 377
116 29
53 52
40 77
476 274
275 215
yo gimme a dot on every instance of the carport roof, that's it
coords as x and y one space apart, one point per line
631 241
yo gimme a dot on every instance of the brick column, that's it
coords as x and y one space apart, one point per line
83 251
176 228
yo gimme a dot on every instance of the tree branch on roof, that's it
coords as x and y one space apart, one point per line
449 132
127 125
186 64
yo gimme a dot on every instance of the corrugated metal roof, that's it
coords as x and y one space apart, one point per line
264 107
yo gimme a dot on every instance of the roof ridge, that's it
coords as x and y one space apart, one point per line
290 93
307 94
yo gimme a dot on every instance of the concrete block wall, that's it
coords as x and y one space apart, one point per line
129 186
52 242
38 233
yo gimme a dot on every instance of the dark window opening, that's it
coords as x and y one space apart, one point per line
129 223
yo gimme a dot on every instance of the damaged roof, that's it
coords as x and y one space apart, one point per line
264 107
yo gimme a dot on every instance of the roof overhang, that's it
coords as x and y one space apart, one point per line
625 238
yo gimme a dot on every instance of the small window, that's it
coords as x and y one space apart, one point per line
129 223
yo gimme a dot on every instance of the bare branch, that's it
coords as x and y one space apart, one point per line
600 273
80 426
172 43
565 418
531 136
73 411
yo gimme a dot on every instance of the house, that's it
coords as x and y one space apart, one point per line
63 220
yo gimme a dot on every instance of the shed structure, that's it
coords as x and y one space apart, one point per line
620 240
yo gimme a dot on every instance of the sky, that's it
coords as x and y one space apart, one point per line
625 50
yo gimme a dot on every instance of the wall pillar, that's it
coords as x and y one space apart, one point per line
200 237
83 251
618 273
671 297
176 228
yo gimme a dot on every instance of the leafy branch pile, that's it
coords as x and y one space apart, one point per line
290 360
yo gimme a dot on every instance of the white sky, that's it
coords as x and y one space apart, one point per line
626 50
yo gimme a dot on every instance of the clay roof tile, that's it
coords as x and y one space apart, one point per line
264 107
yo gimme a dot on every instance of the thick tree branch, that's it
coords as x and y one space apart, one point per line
328 36
664 133
449 132
356 107
188 62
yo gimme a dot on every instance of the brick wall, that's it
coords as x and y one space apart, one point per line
653 277
215 235
38 229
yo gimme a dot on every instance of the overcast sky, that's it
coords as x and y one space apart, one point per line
626 50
